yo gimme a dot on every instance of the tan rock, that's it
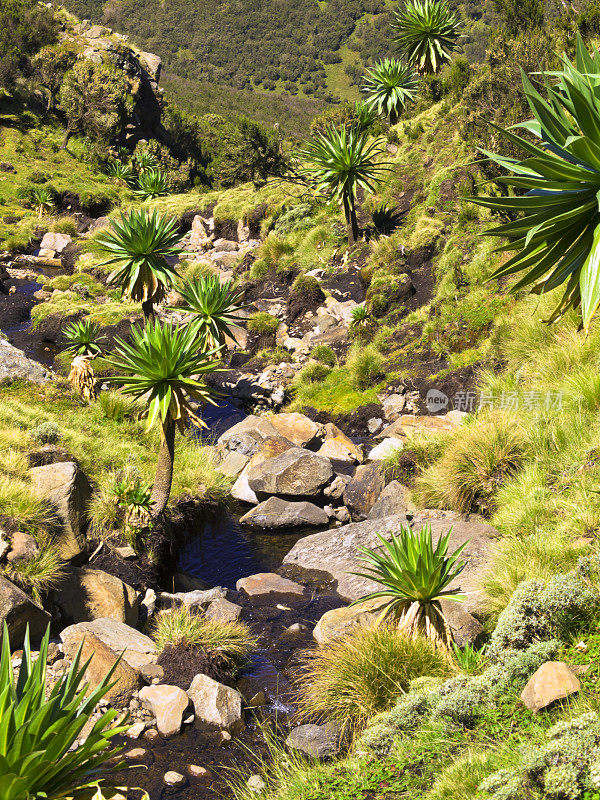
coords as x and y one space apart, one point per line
407 426
88 594
221 610
363 490
294 473
23 547
18 611
394 499
298 428
338 446
168 704
215 704
270 585
340 621
552 681
139 651
104 658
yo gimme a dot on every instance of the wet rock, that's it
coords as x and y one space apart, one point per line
276 513
138 650
363 490
385 448
394 499
297 428
222 610
295 473
14 365
174 779
215 704
338 446
19 611
335 551
68 490
126 679
87 594
340 621
168 704
551 682
270 585
23 547
317 741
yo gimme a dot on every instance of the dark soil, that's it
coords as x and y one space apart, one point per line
181 663
138 572
346 285
353 423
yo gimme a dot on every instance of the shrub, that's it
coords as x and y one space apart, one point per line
474 466
297 218
307 289
231 640
313 373
366 366
259 270
263 323
361 674
324 354
45 433
65 225
37 753
40 573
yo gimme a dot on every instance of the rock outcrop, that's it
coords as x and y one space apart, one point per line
275 513
18 611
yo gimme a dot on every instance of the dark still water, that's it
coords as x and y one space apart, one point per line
220 550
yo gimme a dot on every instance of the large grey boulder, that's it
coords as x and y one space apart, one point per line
87 594
216 705
363 490
394 499
15 365
138 650
18 611
295 473
247 435
276 513
68 490
334 551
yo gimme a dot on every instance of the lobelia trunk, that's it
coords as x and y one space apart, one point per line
164 470
351 221
148 309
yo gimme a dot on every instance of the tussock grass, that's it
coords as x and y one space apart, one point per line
38 574
351 678
232 640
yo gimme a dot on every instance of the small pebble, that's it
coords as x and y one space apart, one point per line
256 784
136 753
198 772
224 737
151 735
136 730
175 779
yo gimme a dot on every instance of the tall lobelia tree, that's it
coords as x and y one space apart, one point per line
162 364
340 161
557 234
141 244
427 33
390 86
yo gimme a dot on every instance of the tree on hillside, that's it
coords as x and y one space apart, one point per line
519 16
339 162
162 365
427 33
50 65
25 26
142 244
557 233
390 86
96 101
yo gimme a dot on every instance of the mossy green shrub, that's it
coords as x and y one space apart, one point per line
566 767
64 225
313 373
297 218
259 270
366 366
324 354
388 291
263 323
307 289
45 433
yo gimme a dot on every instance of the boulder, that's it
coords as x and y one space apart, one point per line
298 428
18 611
233 463
465 629
138 650
55 241
552 681
385 448
103 658
247 435
222 610
394 499
340 621
363 490
408 425
334 551
215 704
268 448
88 594
68 490
269 585
15 365
317 741
152 64
277 513
226 245
393 406
295 473
168 704
338 447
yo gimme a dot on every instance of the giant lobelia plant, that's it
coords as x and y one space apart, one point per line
216 307
163 365
415 576
427 33
557 233
38 730
390 86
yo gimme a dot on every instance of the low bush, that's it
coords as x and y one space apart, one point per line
307 289
64 225
324 354
263 323
313 373
350 679
474 466
45 433
182 626
40 573
366 366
